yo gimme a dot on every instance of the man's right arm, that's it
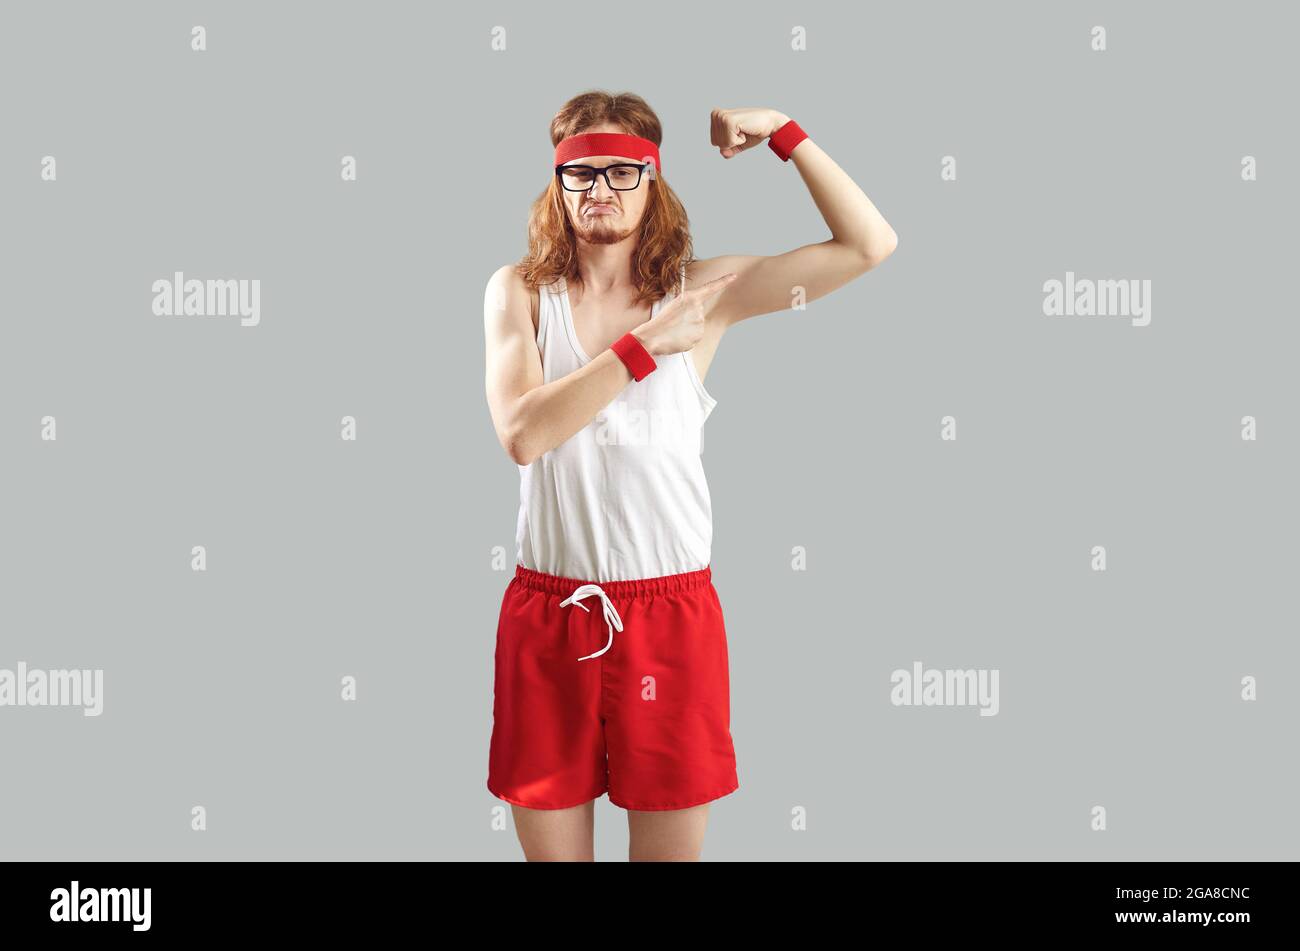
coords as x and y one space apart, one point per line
532 417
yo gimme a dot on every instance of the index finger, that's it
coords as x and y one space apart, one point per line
713 286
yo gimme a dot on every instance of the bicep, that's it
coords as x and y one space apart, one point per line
766 284
513 364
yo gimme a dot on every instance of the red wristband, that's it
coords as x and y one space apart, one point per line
784 139
634 355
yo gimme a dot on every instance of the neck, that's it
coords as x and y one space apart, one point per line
605 267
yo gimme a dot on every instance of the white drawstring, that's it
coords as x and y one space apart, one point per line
612 620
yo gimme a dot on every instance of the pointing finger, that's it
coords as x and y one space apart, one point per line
713 287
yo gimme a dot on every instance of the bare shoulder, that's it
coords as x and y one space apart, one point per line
506 280
508 297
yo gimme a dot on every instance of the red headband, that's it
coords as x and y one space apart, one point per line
606 143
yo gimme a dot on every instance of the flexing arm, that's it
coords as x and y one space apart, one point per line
860 236
532 417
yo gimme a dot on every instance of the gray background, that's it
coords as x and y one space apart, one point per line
374 558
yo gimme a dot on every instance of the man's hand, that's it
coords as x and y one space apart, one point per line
734 130
680 325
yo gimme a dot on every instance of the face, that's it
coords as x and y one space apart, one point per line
604 215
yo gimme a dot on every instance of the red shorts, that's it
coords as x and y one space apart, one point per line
644 716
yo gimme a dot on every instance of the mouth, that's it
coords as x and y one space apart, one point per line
593 210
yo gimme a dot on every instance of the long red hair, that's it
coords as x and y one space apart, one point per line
664 242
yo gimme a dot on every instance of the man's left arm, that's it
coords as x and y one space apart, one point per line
860 236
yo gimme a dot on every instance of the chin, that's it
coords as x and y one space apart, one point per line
605 237
597 233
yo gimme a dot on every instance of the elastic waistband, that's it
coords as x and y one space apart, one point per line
664 584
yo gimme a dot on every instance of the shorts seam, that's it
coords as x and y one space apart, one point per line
520 802
725 791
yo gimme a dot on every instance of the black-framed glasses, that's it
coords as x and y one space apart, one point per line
623 177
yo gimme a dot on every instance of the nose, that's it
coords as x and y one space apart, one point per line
599 190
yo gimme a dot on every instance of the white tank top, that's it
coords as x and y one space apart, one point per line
625 497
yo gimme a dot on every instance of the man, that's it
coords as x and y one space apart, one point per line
617 510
